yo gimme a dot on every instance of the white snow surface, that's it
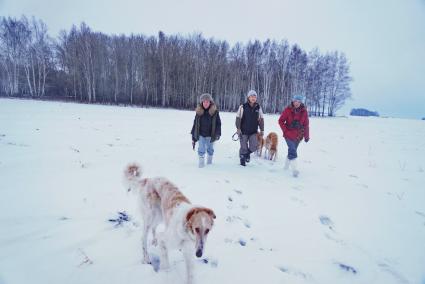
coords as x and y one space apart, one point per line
355 214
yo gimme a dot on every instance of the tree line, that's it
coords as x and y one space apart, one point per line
165 70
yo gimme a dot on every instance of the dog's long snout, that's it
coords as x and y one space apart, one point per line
199 252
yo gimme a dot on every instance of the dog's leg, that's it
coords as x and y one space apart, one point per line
154 239
188 257
165 263
146 228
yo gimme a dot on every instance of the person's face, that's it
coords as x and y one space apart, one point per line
206 104
252 99
296 103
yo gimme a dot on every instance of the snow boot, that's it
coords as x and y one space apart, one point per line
243 160
209 160
286 167
293 165
201 162
248 157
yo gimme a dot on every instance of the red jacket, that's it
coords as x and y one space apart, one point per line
294 123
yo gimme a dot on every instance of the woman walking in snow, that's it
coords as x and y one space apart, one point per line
248 118
206 128
295 126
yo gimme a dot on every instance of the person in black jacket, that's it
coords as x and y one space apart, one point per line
206 128
248 118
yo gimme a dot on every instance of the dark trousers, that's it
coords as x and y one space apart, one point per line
292 148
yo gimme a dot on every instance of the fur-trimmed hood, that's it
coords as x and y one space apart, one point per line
211 110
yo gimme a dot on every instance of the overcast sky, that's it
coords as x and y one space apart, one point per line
384 40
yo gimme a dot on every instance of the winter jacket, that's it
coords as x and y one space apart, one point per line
294 123
207 123
249 118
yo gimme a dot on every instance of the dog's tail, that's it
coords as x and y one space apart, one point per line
132 175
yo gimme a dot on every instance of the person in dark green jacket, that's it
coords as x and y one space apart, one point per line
206 128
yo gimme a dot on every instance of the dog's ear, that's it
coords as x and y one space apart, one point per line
190 213
210 212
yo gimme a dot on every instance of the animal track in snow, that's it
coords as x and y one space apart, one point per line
346 267
400 278
294 272
326 221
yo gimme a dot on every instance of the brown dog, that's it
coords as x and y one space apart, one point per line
271 146
260 144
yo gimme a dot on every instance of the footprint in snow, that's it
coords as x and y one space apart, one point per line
294 272
326 221
247 224
362 185
400 278
244 206
299 201
232 219
74 149
211 261
241 241
338 241
347 268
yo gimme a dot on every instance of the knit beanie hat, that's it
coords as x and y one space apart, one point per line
298 97
251 93
206 97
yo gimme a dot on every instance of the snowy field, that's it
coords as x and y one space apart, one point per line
356 213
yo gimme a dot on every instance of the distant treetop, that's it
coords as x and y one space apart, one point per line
363 112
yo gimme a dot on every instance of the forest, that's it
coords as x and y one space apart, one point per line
167 71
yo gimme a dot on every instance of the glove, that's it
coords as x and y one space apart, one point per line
262 133
239 132
306 139
217 138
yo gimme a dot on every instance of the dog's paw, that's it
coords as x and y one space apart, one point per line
146 261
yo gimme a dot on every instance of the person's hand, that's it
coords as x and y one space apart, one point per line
306 140
239 132
261 133
217 138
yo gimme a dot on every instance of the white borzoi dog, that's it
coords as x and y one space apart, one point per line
186 226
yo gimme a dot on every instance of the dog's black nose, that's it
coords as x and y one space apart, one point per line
199 253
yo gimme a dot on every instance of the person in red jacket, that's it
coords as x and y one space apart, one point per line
294 124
